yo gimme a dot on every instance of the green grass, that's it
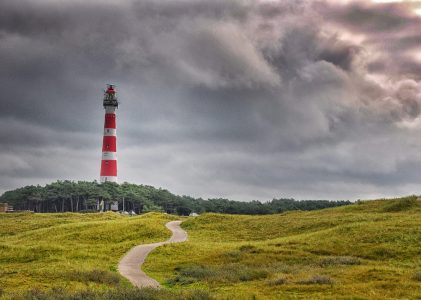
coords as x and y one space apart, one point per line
126 293
72 251
370 250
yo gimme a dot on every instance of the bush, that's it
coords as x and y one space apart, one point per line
98 276
119 294
199 272
233 256
249 274
380 253
318 279
277 281
249 249
400 204
226 273
339 260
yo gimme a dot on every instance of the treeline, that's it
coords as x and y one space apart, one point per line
83 196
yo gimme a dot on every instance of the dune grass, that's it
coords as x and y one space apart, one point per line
120 293
71 251
370 250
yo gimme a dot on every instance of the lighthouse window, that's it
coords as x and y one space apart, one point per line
108 146
106 162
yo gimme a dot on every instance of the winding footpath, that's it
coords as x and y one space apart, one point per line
130 264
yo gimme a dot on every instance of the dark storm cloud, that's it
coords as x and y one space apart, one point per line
372 17
242 99
339 53
391 31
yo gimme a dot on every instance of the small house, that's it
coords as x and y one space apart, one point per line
4 207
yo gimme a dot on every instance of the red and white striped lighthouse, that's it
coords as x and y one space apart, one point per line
109 142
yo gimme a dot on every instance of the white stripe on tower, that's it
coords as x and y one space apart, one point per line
109 142
110 132
109 155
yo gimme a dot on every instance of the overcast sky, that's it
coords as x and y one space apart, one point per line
238 99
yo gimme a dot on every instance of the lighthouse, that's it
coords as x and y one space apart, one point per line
109 141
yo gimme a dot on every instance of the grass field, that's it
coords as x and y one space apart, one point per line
370 250
71 251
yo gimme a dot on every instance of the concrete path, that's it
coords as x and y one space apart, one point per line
130 264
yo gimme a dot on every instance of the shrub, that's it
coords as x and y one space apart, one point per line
199 295
233 256
199 272
250 249
191 274
33 294
381 253
400 204
318 279
225 273
119 294
98 276
180 279
277 281
249 274
339 260
239 272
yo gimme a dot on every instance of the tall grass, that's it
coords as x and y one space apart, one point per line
75 251
121 294
367 250
401 204
227 273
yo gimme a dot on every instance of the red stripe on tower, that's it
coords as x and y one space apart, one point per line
109 142
109 120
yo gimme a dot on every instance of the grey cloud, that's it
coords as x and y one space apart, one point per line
232 99
339 53
369 17
390 33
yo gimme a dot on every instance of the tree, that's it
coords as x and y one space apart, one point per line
63 196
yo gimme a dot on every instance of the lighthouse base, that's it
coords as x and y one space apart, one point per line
108 178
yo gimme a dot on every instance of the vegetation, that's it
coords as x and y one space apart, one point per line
369 250
73 251
69 196
128 293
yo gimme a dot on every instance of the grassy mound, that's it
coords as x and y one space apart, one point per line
73 251
370 250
